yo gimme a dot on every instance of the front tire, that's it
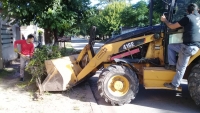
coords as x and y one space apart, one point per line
194 84
118 84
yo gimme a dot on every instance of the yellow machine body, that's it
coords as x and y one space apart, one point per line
125 61
66 72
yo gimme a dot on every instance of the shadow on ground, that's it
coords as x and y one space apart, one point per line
9 80
16 97
158 99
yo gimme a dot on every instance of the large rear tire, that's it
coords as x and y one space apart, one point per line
118 84
194 84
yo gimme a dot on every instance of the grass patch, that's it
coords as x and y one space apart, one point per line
31 92
68 50
22 84
76 108
68 45
47 93
25 84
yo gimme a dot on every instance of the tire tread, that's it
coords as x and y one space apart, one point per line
113 69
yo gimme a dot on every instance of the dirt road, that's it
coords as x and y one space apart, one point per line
16 97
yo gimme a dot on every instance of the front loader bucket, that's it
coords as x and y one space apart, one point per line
61 74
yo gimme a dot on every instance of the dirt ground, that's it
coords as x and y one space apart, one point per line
18 97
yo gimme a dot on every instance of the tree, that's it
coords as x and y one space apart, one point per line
53 15
136 15
158 9
56 19
109 19
24 11
117 14
180 9
90 20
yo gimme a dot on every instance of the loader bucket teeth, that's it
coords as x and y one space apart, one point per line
61 74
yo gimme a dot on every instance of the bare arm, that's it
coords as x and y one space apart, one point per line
170 25
17 42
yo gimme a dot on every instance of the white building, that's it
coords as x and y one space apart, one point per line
31 29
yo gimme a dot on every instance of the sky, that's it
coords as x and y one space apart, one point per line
96 1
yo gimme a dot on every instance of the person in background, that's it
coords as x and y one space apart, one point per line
23 38
27 49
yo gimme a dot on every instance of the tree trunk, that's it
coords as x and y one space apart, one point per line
55 32
61 33
47 36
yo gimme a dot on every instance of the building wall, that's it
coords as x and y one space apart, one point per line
9 33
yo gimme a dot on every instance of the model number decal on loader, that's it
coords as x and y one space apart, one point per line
128 46
131 44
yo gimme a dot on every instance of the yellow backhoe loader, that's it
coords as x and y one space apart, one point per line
126 60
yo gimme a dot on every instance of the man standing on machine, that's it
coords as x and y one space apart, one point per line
189 47
27 49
